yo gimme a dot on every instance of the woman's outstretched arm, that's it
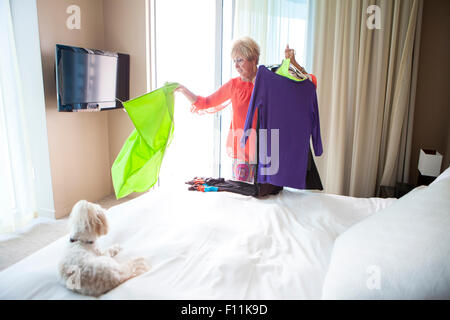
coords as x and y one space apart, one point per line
187 93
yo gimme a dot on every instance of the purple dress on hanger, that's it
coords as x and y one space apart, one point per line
288 116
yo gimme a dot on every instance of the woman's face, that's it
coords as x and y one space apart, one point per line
246 68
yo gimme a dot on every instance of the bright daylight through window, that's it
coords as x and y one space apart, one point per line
187 47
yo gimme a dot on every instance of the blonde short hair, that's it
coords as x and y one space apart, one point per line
247 48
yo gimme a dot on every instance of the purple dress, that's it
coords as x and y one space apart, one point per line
288 116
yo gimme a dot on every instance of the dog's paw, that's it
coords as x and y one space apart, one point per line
140 266
114 250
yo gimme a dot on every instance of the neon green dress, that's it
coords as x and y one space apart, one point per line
136 168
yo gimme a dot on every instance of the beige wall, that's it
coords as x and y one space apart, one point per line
124 23
432 110
83 146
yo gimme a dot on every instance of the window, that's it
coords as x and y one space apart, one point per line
185 46
272 24
192 46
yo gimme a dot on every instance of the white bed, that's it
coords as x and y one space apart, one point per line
215 246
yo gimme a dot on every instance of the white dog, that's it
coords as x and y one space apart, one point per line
87 269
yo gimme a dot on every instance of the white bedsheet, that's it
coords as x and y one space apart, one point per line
210 246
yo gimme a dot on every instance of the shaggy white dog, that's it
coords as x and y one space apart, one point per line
87 269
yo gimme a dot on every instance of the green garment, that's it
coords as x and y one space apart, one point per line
283 70
136 168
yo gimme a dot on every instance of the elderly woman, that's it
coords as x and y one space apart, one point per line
237 91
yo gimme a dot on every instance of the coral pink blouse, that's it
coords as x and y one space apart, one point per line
238 93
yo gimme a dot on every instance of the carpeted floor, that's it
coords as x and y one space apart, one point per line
41 232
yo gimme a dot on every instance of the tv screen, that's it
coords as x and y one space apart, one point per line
89 79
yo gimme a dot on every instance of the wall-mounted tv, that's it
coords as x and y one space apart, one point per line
90 79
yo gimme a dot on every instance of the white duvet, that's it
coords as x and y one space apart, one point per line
211 246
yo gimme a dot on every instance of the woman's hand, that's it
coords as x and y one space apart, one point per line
188 94
180 88
290 54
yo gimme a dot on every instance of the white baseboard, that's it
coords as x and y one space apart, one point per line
46 213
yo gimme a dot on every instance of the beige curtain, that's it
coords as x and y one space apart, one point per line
367 81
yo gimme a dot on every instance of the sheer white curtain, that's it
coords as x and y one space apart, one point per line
366 89
273 24
17 194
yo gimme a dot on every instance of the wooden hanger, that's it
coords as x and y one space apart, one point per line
297 72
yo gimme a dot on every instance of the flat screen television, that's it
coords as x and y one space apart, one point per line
90 79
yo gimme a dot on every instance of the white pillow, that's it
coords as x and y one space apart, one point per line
443 175
401 252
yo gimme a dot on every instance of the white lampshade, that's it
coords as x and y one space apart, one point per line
430 162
